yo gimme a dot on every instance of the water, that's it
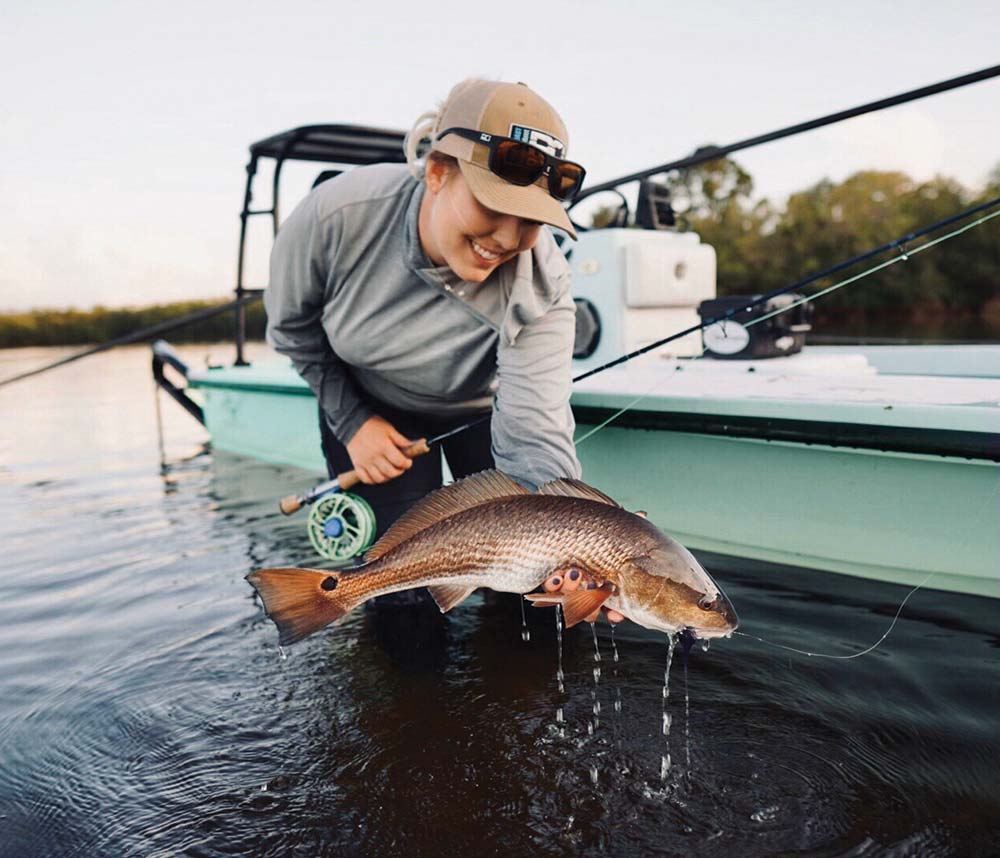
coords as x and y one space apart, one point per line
145 708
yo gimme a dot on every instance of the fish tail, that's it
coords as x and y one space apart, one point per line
300 601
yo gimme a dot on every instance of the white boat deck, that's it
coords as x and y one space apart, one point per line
813 386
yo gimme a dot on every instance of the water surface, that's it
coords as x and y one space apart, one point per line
146 710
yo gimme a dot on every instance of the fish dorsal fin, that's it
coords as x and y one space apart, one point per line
445 502
576 489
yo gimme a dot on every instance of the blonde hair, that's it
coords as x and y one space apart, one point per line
419 139
417 142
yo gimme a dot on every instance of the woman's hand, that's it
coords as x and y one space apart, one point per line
376 451
560 583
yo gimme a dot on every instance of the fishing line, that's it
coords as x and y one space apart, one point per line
895 244
902 257
885 634
973 524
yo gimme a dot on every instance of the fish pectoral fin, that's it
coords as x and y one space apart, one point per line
580 604
449 595
577 605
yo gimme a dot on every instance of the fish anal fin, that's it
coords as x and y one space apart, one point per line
576 489
544 600
449 595
299 601
464 494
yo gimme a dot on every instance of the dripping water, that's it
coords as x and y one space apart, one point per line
560 720
525 631
559 648
687 641
596 708
665 758
618 690
282 654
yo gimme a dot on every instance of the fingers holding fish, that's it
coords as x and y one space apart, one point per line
563 581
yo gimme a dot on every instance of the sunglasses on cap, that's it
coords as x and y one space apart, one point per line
522 164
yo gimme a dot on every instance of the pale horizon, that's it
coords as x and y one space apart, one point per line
126 127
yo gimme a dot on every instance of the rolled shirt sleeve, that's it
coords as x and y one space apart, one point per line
532 420
300 287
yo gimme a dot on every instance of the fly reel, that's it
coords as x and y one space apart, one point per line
341 526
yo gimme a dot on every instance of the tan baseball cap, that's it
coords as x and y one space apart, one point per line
506 110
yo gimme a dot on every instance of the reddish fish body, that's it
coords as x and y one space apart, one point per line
488 531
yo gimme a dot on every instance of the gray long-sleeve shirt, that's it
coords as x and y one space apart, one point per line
356 304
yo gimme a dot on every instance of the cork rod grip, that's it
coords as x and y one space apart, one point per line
351 478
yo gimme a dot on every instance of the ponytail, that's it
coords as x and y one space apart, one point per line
422 130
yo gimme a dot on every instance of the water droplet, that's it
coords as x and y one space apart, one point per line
282 654
590 729
666 723
597 674
618 706
559 715
525 631
559 649
593 775
664 766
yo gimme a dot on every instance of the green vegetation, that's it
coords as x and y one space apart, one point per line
78 327
951 291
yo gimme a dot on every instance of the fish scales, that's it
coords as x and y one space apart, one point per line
487 531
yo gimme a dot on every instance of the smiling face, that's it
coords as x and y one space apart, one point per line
458 231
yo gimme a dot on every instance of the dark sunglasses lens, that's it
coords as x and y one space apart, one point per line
518 163
566 180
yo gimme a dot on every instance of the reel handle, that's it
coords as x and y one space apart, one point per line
290 504
351 478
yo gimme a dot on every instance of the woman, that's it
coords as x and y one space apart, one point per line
411 306
413 302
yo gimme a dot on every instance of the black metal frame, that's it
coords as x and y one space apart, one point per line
328 144
358 144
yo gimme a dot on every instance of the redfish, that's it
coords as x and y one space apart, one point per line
489 531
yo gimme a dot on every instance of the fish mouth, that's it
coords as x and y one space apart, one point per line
706 634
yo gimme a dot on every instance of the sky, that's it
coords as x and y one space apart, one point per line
125 126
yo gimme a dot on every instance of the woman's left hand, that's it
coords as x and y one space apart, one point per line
571 581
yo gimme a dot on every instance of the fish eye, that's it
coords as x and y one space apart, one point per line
706 603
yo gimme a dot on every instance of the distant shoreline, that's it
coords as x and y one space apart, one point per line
88 327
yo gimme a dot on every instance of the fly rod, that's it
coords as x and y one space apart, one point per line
711 153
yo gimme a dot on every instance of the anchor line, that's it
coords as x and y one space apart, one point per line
902 257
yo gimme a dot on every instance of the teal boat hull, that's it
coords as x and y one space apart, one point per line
927 513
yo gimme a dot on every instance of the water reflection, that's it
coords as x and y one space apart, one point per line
144 708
